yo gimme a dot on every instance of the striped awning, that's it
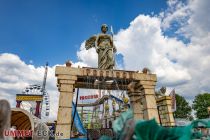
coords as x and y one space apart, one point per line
22 119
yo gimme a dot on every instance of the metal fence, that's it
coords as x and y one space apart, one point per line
95 134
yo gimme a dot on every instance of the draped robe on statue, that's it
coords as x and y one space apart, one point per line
105 49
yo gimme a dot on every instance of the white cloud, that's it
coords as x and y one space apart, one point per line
31 61
177 64
88 57
176 11
194 22
16 75
143 44
195 27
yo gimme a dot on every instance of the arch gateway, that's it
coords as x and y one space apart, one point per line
140 87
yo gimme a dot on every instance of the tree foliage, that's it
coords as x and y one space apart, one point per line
200 105
183 109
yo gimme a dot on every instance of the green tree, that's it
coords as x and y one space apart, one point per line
200 105
183 109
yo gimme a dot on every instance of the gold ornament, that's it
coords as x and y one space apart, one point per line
125 100
106 106
113 102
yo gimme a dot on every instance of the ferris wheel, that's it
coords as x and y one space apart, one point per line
42 106
30 106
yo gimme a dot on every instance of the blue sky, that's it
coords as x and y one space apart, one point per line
54 30
170 37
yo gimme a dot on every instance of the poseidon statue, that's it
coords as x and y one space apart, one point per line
104 47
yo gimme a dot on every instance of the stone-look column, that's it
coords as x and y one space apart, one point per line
165 111
82 115
209 111
149 102
134 93
64 118
171 121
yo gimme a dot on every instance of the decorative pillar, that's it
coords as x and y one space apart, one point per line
134 93
149 102
18 104
141 94
64 117
165 111
82 114
208 111
37 113
106 114
113 106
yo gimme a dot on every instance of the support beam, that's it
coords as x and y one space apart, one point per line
134 94
165 111
149 103
140 86
64 118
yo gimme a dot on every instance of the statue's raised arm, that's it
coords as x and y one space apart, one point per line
104 47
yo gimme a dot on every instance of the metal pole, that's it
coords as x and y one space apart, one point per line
75 109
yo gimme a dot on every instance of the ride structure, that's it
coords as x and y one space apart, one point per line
103 116
140 88
35 99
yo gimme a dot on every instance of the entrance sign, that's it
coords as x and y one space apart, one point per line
88 97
